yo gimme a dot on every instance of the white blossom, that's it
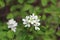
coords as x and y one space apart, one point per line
12 24
31 20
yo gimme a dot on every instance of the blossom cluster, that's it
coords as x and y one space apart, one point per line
27 21
31 20
12 24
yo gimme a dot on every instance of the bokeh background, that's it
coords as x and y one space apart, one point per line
47 10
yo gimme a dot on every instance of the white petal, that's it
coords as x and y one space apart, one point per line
37 28
9 26
11 21
32 22
15 24
28 25
38 24
27 17
23 20
33 14
24 23
13 29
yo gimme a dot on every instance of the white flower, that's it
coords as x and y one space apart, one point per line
26 21
31 20
12 24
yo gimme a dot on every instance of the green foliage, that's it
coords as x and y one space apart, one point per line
54 1
26 7
21 1
9 16
30 1
2 4
10 34
44 2
48 12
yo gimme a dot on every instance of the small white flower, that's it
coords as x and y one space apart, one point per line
31 20
12 24
37 28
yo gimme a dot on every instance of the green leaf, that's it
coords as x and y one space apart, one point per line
21 1
30 1
26 7
15 7
21 35
10 15
37 10
4 39
31 10
30 37
23 14
54 1
4 26
50 32
52 9
43 17
46 38
10 34
2 4
2 34
44 2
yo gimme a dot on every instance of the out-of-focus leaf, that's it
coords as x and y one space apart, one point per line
50 32
30 1
2 4
26 7
21 35
43 17
44 2
23 14
52 9
37 10
4 39
10 15
21 1
46 38
54 1
2 34
30 37
10 34
15 8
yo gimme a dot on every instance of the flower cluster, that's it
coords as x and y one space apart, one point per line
31 20
12 24
27 21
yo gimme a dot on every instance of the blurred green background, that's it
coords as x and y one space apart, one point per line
49 10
